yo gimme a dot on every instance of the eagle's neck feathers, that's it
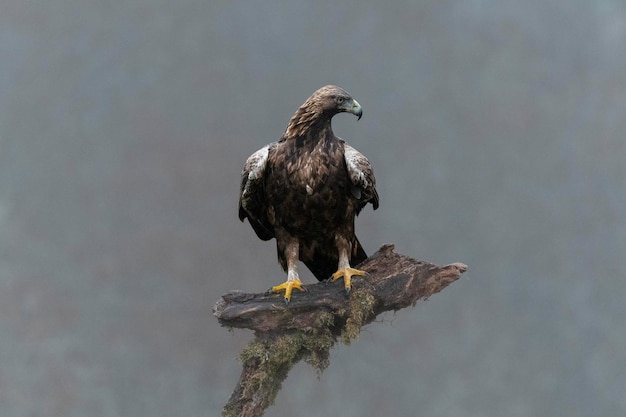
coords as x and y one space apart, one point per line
308 124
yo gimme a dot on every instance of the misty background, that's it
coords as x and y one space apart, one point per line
497 133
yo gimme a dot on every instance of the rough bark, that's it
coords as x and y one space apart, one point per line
315 319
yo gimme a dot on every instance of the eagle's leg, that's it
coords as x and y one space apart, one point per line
343 269
293 281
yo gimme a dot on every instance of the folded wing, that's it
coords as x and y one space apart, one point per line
252 201
361 176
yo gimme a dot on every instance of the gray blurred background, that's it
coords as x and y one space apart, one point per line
497 133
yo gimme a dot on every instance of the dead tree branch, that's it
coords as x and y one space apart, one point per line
314 320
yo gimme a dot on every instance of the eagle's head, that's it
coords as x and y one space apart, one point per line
330 100
318 109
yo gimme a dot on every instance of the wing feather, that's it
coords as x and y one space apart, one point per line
252 200
362 176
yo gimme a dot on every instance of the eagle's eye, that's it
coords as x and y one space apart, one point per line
339 100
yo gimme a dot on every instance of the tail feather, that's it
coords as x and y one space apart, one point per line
323 266
358 253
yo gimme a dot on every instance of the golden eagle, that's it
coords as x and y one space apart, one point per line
306 189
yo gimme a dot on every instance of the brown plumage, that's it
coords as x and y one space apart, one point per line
306 189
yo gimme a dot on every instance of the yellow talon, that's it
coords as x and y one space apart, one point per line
347 273
288 286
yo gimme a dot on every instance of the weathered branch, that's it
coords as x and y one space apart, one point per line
314 320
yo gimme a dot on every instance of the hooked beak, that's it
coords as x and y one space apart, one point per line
356 109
